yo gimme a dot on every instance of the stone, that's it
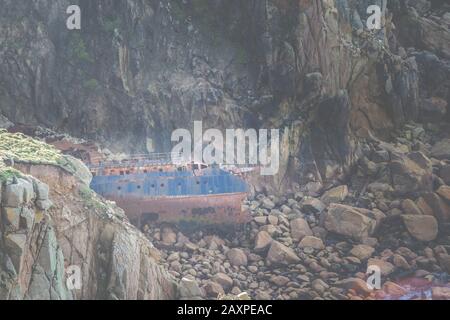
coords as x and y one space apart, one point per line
262 241
337 194
168 236
358 285
362 252
400 262
444 173
279 254
444 192
273 220
312 242
261 220
224 280
444 261
299 229
188 289
410 207
421 227
436 206
411 173
237 257
393 290
440 293
441 150
279 281
319 286
386 267
349 221
213 289
268 204
312 205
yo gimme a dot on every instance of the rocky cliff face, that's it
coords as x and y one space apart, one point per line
137 70
52 224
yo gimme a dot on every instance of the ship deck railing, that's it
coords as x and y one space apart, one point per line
140 160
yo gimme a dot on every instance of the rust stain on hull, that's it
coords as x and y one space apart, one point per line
209 209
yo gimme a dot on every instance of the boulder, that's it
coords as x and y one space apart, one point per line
279 254
279 281
358 285
411 173
213 289
312 242
237 257
337 194
189 289
267 203
262 241
312 205
168 236
436 206
349 221
444 173
444 192
386 267
299 229
362 252
224 280
410 207
441 150
421 227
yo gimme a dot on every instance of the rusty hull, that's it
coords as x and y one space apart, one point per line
209 209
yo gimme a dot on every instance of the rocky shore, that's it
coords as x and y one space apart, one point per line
318 242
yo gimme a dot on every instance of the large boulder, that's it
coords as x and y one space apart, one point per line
362 252
262 241
441 150
421 227
237 257
444 192
224 280
432 204
300 229
311 242
189 289
411 173
279 254
349 221
337 194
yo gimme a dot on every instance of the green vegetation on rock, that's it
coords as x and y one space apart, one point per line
19 147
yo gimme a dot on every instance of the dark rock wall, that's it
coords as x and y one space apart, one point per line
140 69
